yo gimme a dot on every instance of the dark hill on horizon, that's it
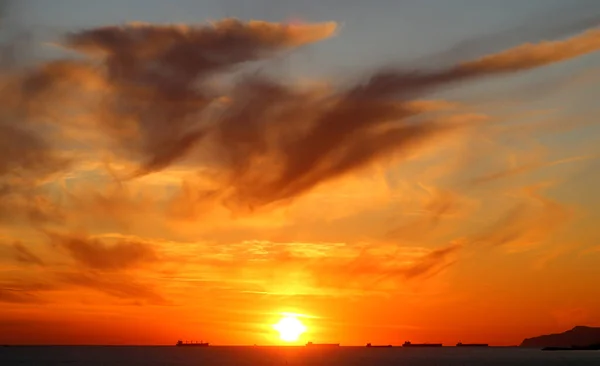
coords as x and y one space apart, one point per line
578 336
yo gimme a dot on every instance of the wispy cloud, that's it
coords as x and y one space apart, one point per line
117 286
98 255
24 291
527 168
527 223
24 255
17 297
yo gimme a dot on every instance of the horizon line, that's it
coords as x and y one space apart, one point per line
221 345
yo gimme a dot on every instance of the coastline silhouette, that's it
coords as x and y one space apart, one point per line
579 337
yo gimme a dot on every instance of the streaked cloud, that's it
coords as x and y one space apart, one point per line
98 255
24 255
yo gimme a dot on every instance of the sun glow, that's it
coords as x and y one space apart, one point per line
289 328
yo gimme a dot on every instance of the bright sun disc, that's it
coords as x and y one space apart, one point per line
289 328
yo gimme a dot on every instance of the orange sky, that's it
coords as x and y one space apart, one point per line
145 198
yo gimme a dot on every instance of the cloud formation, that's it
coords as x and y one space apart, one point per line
156 77
372 270
326 268
529 56
24 255
163 131
526 224
297 141
148 87
98 255
122 287
17 297
24 291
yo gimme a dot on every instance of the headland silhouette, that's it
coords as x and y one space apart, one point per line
578 338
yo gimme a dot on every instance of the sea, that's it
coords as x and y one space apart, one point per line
258 356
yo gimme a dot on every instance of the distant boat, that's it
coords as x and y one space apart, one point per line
191 344
408 344
591 347
460 344
379 346
311 344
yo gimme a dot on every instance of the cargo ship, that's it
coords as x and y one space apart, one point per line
408 344
591 347
191 344
379 346
460 344
311 344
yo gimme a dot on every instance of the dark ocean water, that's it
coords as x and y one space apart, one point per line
258 356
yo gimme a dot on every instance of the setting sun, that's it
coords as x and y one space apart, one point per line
289 328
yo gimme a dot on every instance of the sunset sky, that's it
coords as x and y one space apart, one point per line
421 170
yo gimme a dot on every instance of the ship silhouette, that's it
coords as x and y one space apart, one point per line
460 344
191 344
379 346
409 344
311 344
591 347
